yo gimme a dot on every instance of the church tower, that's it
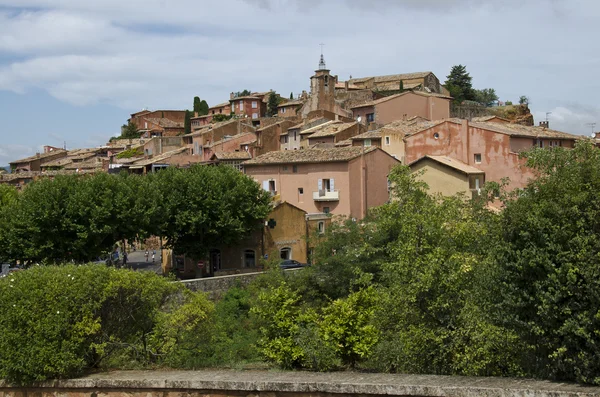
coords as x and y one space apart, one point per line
322 89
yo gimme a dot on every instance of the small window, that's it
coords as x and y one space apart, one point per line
367 142
300 190
282 110
371 117
477 158
326 210
254 115
254 104
241 106
285 253
295 169
387 140
326 80
436 136
285 167
321 227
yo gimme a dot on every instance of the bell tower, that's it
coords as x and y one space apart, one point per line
322 88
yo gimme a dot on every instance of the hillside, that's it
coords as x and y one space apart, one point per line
518 114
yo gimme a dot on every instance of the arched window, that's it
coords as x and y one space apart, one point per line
285 253
249 258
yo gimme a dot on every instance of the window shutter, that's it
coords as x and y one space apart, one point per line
320 184
331 186
266 185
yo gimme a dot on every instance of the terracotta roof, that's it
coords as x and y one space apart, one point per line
367 135
342 85
243 155
318 127
524 131
159 158
332 129
251 137
220 105
36 157
410 127
402 76
310 155
452 163
58 162
93 163
345 142
291 103
487 118
165 123
387 98
201 117
244 97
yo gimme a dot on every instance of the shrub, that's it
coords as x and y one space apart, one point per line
58 322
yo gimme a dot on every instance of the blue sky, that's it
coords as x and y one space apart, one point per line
74 70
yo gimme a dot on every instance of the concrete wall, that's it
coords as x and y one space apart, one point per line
254 383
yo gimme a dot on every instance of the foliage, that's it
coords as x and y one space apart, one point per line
187 123
129 131
129 153
547 268
486 96
401 86
200 106
8 195
217 118
58 322
523 100
207 206
243 93
458 82
274 100
291 95
508 103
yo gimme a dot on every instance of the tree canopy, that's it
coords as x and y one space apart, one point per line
200 106
486 96
187 123
459 83
129 131
272 104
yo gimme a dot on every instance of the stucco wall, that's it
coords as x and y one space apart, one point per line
441 179
379 164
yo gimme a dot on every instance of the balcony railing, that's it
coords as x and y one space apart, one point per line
326 195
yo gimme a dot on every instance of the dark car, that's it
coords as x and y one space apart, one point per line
291 264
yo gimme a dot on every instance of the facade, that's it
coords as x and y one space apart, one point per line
252 106
335 133
491 147
222 108
268 138
322 91
159 122
341 181
35 163
403 106
240 143
422 81
289 109
448 176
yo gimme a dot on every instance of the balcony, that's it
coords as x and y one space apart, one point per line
326 195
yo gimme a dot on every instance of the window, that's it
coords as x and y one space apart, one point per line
254 115
285 253
272 187
367 142
370 117
436 136
282 110
285 167
325 185
241 106
300 194
249 258
300 190
254 104
477 158
285 139
387 140
145 125
295 169
326 80
321 227
326 210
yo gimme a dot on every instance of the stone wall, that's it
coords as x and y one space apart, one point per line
215 383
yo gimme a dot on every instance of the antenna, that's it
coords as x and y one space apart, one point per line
548 114
592 125
322 45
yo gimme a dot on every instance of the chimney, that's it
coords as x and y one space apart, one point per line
545 124
195 114
231 96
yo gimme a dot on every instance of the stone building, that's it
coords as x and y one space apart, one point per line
420 81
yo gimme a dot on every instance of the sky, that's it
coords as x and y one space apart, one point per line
72 71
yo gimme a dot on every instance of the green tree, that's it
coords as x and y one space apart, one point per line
129 131
217 118
187 123
197 106
243 93
291 95
459 83
203 108
203 207
547 269
272 104
401 86
523 100
486 96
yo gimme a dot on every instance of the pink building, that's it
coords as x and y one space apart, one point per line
491 147
402 106
341 181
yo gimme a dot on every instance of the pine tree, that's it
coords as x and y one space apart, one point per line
187 123
272 104
291 95
459 83
203 108
197 106
401 86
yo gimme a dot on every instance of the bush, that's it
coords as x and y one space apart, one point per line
58 322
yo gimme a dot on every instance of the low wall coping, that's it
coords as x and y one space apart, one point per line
310 382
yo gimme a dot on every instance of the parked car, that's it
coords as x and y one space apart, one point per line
291 264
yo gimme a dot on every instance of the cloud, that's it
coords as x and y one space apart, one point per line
9 152
572 118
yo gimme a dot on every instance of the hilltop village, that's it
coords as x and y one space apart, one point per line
320 153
